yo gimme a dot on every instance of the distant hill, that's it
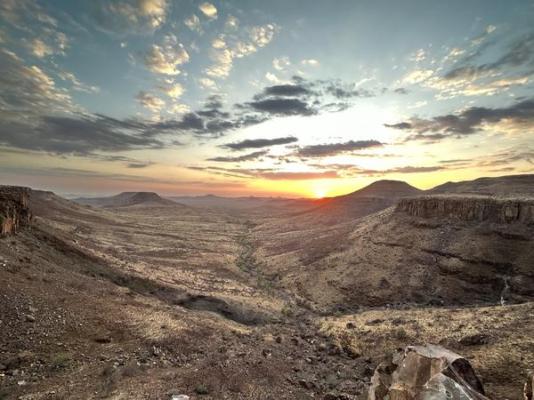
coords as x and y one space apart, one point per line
384 188
126 199
499 186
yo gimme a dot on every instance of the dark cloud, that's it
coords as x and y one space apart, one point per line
80 134
269 173
282 106
467 122
280 175
345 91
246 157
401 90
286 90
332 149
139 165
260 143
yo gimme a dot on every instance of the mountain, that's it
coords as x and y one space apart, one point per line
384 188
126 199
521 185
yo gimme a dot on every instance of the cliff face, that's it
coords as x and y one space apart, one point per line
470 208
14 209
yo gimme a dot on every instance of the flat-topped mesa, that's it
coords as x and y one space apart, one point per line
14 209
470 208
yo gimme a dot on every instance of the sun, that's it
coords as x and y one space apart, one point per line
319 191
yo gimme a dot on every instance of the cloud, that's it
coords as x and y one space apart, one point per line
131 15
262 35
281 63
80 134
289 90
209 10
469 121
232 23
175 90
193 23
76 83
246 157
345 90
282 106
417 76
281 175
139 165
207 83
147 100
29 90
332 149
260 143
166 58
224 52
310 62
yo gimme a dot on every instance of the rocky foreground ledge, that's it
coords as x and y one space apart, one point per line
470 208
429 372
14 208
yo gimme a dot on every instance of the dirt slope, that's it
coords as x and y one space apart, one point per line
408 255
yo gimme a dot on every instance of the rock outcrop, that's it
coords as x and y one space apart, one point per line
14 209
470 208
427 372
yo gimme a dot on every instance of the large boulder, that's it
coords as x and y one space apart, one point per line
427 372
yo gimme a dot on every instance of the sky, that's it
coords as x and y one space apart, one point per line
299 98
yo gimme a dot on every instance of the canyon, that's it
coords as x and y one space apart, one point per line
140 296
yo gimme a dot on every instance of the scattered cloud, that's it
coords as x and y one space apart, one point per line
175 90
29 90
470 121
193 23
281 63
166 59
131 15
149 101
260 143
77 134
246 157
310 62
209 10
332 149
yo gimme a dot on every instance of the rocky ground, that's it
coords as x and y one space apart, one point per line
155 302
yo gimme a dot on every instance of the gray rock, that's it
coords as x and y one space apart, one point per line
427 372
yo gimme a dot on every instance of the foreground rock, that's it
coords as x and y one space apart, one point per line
14 208
426 373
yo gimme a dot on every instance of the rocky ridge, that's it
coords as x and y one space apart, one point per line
470 208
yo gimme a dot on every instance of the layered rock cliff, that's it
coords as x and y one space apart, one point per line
14 209
470 208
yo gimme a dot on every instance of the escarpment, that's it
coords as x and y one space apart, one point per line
470 208
14 209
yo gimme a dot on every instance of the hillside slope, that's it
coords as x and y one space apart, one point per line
426 250
518 185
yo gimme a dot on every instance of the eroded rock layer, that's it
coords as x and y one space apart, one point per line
470 208
14 208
